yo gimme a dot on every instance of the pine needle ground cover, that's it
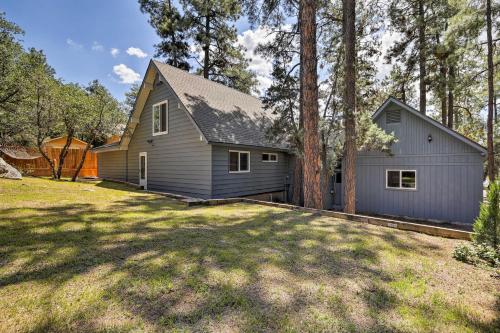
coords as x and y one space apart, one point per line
104 257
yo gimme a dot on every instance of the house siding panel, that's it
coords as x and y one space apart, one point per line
263 177
112 165
449 174
179 161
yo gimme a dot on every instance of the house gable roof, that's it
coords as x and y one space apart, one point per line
456 135
222 115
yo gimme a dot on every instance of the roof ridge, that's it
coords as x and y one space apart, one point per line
201 77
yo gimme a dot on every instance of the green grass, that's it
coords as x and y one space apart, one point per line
102 257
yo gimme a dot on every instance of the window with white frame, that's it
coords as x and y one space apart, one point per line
269 157
160 118
401 179
239 161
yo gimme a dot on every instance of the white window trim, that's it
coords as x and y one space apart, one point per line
239 166
269 161
400 188
153 118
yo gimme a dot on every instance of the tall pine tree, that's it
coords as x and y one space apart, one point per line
209 26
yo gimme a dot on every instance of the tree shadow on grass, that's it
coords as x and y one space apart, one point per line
203 268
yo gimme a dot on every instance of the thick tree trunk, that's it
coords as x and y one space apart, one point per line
444 103
350 105
422 56
491 96
451 99
297 195
206 47
312 159
298 189
175 58
63 154
325 175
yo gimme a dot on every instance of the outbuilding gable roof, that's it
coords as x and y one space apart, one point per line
429 120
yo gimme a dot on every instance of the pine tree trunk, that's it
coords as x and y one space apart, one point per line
491 96
206 47
297 195
444 104
325 175
175 61
312 160
298 179
349 13
422 56
451 102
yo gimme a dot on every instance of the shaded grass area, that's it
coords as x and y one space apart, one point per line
104 257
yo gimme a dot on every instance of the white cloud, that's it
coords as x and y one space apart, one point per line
96 46
127 75
136 52
73 44
250 39
114 52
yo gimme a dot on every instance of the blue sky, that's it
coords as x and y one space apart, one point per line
77 37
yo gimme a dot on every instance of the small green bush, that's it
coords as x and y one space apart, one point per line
485 240
465 253
487 225
488 254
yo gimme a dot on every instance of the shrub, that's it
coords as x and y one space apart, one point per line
485 240
465 253
487 225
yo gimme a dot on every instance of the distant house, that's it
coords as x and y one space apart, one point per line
191 136
30 162
432 172
59 142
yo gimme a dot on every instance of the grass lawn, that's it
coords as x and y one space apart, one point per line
103 257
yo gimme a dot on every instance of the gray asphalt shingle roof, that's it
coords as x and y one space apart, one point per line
223 115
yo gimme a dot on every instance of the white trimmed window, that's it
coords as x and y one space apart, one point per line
401 179
160 118
239 161
269 157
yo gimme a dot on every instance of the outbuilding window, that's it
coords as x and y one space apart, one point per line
160 118
401 179
269 157
239 161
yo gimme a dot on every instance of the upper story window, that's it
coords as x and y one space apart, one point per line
239 161
269 157
401 179
160 118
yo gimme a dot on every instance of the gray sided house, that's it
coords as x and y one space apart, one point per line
191 136
432 173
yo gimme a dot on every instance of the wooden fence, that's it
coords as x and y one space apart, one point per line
40 167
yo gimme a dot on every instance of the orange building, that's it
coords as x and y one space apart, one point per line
30 162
